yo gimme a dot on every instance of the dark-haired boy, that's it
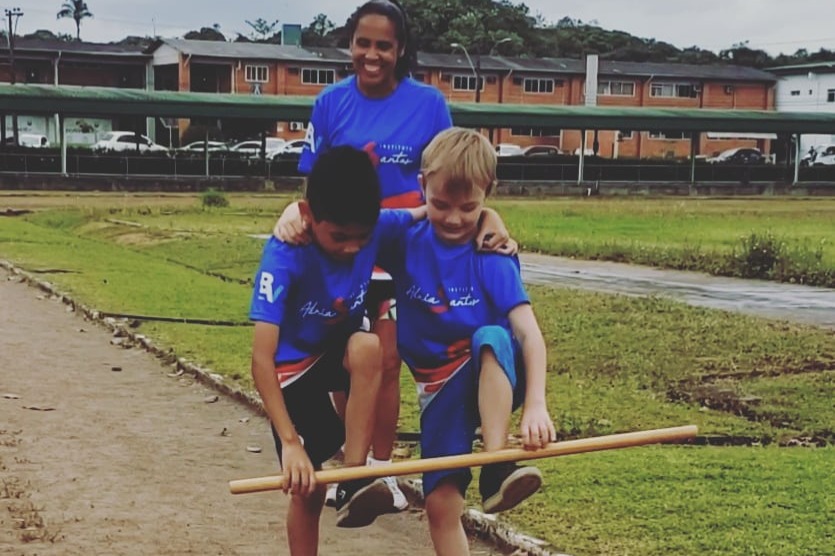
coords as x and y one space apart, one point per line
308 306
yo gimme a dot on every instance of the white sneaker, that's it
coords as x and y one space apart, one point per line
399 499
330 495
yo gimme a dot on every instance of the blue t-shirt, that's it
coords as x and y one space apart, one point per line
394 130
313 298
444 294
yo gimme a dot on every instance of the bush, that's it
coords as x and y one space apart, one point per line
214 198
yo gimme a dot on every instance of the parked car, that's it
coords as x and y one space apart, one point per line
289 149
253 147
508 149
31 140
541 150
198 147
738 155
825 156
122 141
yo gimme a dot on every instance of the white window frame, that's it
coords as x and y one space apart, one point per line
670 89
459 80
614 88
539 86
526 131
663 135
256 73
323 76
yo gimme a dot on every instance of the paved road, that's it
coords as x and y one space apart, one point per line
796 303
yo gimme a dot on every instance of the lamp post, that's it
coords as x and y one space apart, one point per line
472 67
13 13
477 66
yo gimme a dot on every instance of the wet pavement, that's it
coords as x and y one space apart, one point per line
804 304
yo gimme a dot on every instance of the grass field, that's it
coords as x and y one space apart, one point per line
616 363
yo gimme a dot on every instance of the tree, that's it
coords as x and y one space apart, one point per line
206 34
77 10
47 35
262 29
318 33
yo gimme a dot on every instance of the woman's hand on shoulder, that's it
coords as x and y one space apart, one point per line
493 235
291 227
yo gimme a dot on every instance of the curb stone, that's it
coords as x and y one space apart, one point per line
476 523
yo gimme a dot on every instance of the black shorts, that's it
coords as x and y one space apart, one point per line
310 408
379 301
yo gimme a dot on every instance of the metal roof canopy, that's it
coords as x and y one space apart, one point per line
85 101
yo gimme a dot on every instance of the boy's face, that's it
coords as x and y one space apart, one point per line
453 212
339 242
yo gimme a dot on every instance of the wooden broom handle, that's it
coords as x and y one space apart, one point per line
411 467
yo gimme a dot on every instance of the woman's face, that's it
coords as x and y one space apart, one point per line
374 53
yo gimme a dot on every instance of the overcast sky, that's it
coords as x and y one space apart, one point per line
773 25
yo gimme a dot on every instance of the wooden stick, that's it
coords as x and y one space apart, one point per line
410 467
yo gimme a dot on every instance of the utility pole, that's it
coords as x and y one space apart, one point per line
13 15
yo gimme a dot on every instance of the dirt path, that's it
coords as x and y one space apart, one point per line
103 452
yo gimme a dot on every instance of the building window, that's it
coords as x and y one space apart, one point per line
539 86
668 135
465 83
675 90
257 74
830 95
795 93
535 131
318 76
625 135
616 88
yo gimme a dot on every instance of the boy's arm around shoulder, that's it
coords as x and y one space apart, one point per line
537 429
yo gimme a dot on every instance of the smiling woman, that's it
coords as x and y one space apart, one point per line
390 116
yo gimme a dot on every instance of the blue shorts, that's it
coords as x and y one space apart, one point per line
449 421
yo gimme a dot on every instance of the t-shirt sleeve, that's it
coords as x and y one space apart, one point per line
502 280
391 229
316 139
443 119
272 283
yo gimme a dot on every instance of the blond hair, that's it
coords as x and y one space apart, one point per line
466 158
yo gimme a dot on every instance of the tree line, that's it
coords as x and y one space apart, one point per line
497 27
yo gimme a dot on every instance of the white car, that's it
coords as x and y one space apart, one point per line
31 140
253 147
509 149
824 156
290 148
199 147
122 141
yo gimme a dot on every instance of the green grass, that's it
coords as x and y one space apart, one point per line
616 363
688 234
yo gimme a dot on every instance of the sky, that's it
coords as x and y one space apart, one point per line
772 25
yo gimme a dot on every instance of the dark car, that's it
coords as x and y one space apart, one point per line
739 155
541 150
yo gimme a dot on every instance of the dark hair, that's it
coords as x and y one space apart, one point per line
397 15
343 188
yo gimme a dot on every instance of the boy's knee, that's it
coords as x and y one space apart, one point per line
444 504
363 344
311 504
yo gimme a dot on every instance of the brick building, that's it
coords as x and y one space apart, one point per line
267 69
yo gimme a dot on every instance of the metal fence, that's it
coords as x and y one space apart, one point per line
84 162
